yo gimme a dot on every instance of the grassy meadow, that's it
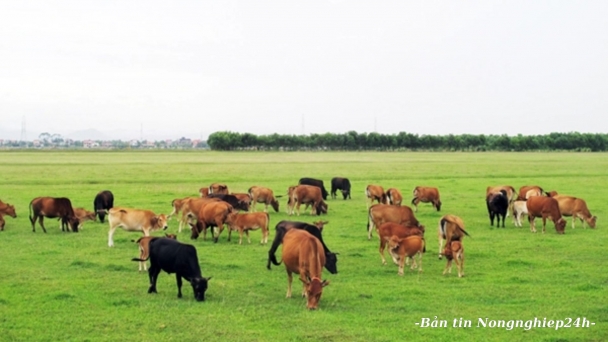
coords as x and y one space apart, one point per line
72 287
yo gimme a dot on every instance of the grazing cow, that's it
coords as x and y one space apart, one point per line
315 182
173 256
144 248
84 215
524 192
381 213
393 197
575 207
6 209
451 228
282 227
545 207
308 194
407 247
211 214
103 202
389 229
342 184
454 252
520 208
203 192
218 189
233 201
53 207
190 207
498 205
246 222
374 193
243 197
134 220
426 194
303 254
264 195
511 194
2 222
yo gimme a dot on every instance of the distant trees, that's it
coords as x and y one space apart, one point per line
403 141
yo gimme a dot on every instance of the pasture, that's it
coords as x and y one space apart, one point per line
72 286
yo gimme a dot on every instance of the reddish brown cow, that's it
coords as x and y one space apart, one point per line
53 207
454 252
6 209
246 222
393 196
264 195
203 192
218 189
389 229
381 213
134 220
303 254
407 247
575 207
2 222
308 194
190 207
525 193
545 207
374 193
451 228
144 248
426 194
211 214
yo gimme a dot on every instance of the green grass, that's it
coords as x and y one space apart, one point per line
72 286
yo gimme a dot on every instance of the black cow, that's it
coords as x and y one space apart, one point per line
282 227
498 204
316 182
232 200
173 256
339 183
103 202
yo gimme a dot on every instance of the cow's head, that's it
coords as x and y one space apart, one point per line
331 262
591 221
195 230
199 287
102 214
159 222
275 205
90 216
243 205
437 205
10 211
74 222
345 193
321 208
314 290
560 225
171 236
320 224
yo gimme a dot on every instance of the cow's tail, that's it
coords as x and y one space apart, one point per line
278 239
464 231
139 259
31 217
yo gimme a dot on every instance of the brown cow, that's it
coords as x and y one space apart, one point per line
393 196
6 209
408 247
53 207
242 197
246 222
451 228
426 194
218 189
545 207
84 215
575 207
511 194
203 192
264 195
308 194
454 252
524 193
134 220
389 229
190 207
2 222
381 213
211 214
374 193
303 254
144 248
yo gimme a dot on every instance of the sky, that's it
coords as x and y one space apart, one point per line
170 69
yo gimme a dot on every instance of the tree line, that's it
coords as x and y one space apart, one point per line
403 141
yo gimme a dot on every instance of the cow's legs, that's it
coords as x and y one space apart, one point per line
448 267
248 238
544 224
441 241
153 274
401 265
531 220
289 280
381 250
460 263
110 235
41 221
178 278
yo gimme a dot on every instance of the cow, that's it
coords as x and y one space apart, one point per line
575 207
389 229
393 197
203 192
178 204
451 228
308 194
407 247
104 201
426 194
314 182
190 207
233 201
374 193
243 197
211 214
84 215
246 222
2 222
523 194
144 248
381 213
173 256
6 209
342 184
519 209
134 220
545 207
218 189
454 252
511 194
315 229
264 195
498 205
53 207
303 254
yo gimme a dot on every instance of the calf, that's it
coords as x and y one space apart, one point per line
498 205
53 207
83 215
315 182
519 209
575 207
451 228
393 197
104 201
191 207
342 184
172 256
426 194
389 229
374 193
408 247
454 252
545 207
134 220
144 248
264 195
6 209
203 192
246 222
381 213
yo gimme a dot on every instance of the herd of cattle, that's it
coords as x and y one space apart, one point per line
304 252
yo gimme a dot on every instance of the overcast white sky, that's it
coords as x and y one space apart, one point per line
189 68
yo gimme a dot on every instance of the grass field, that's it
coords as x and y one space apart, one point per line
72 286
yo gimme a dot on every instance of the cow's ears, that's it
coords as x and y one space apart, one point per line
325 283
208 278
